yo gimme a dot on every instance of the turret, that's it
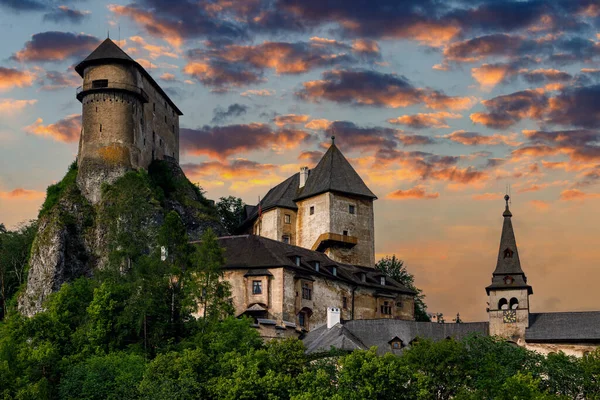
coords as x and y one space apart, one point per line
127 119
509 292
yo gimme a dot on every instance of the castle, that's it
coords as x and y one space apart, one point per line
127 119
305 263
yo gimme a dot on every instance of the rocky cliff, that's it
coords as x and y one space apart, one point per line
76 238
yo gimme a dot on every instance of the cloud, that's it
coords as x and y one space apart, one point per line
540 205
499 44
10 106
577 195
507 110
350 136
366 46
417 192
234 110
258 92
312 157
65 130
167 77
546 75
56 46
222 141
487 196
576 106
318 124
10 77
23 5
420 121
55 80
66 14
371 88
290 119
21 193
221 74
477 139
490 75
154 51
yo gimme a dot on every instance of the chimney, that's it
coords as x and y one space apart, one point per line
333 316
303 176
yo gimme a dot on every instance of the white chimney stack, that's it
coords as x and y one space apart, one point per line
303 176
333 316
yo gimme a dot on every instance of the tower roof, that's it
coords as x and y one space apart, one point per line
109 52
334 174
508 273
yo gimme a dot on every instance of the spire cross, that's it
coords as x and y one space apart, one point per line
506 198
333 140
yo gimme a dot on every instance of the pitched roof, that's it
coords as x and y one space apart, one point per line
564 327
334 174
109 51
508 263
253 252
379 332
281 195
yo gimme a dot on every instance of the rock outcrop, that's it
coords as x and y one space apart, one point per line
75 237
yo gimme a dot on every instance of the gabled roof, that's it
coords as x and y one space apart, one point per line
281 195
109 51
334 174
366 333
564 327
508 273
251 252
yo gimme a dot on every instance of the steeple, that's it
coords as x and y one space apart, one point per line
508 273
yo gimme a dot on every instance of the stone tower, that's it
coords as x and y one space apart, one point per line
127 119
509 291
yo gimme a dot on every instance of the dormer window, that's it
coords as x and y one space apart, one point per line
396 343
363 277
334 271
317 266
297 260
382 281
508 253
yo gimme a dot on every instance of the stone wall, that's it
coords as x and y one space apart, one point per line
511 331
272 225
310 227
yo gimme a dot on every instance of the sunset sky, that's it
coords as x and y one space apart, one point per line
438 104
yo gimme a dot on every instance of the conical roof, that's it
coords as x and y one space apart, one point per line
108 50
334 174
508 273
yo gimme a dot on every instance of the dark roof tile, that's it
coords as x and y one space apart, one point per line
564 327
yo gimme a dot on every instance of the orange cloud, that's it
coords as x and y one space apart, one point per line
65 130
9 106
56 46
489 75
540 205
10 77
158 28
421 120
167 76
21 193
153 50
259 92
318 124
476 139
290 119
417 192
488 196
365 46
576 194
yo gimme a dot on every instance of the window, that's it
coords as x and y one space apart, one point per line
514 303
386 308
334 271
363 277
397 344
287 218
256 287
312 210
317 266
297 261
345 233
153 106
351 209
100 127
302 319
173 128
503 304
508 253
165 119
306 291
144 140
344 302
285 239
382 281
99 83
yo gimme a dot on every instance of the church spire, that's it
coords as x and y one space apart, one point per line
508 273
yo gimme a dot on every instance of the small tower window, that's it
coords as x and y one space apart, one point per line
287 218
514 303
312 210
256 287
100 127
503 304
165 119
508 253
153 106
352 209
344 302
345 233
99 83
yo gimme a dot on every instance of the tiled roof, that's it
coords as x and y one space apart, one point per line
364 334
258 253
564 327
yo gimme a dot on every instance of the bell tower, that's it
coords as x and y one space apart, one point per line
509 292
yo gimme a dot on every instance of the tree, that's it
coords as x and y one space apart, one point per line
231 212
395 269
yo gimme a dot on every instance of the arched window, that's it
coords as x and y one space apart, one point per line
514 303
508 253
503 304
304 318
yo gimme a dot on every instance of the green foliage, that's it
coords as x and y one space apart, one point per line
54 192
15 247
395 269
231 211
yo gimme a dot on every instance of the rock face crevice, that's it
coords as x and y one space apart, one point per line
76 237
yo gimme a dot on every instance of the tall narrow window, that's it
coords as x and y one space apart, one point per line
306 291
100 127
297 261
344 302
386 308
256 287
312 210
334 271
287 218
382 281
351 209
317 266
153 106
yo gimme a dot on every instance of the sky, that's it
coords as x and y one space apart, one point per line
439 105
